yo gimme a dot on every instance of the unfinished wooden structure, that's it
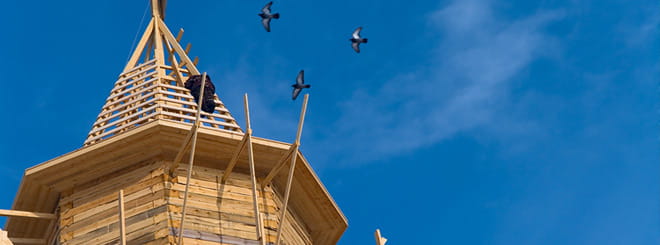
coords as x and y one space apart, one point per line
149 147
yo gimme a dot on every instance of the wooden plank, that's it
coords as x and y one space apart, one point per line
27 240
292 166
192 156
26 214
134 69
278 166
234 157
184 146
126 120
122 222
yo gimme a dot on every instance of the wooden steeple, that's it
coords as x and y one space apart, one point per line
151 86
132 184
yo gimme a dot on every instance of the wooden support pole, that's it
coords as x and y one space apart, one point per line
155 8
234 158
278 167
191 159
122 219
253 177
379 239
292 168
26 214
185 145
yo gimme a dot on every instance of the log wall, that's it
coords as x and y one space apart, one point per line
153 193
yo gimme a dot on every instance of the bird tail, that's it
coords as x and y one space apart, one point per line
307 86
365 40
276 15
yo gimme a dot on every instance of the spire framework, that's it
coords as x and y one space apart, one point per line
151 86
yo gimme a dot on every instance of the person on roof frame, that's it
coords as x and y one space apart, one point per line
194 84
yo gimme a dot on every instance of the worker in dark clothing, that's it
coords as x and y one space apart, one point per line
194 84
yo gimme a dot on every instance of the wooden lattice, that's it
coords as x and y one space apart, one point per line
153 89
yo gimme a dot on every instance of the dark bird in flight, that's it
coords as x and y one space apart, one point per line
356 39
266 16
194 84
299 85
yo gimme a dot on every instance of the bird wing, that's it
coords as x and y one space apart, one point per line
356 33
296 92
266 9
356 46
300 80
266 23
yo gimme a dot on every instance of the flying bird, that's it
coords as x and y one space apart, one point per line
266 16
194 84
356 40
299 85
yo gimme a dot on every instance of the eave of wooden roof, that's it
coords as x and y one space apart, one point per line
160 140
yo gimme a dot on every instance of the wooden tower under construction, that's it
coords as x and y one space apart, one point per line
152 171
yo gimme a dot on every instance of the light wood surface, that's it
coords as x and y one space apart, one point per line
122 219
379 239
26 214
292 167
192 156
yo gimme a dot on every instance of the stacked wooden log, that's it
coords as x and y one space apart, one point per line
217 213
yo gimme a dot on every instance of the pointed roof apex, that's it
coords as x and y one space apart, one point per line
151 87
158 8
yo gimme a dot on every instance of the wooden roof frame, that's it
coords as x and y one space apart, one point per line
160 140
151 86
147 116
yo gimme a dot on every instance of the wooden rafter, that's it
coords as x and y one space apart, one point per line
145 92
140 47
279 165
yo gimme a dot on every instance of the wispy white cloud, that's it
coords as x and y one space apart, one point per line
460 87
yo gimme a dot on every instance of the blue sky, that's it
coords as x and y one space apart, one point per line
461 122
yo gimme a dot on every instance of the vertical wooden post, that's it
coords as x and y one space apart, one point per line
191 159
122 219
292 167
253 178
379 239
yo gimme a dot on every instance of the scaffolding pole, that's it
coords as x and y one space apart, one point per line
192 158
122 219
292 167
